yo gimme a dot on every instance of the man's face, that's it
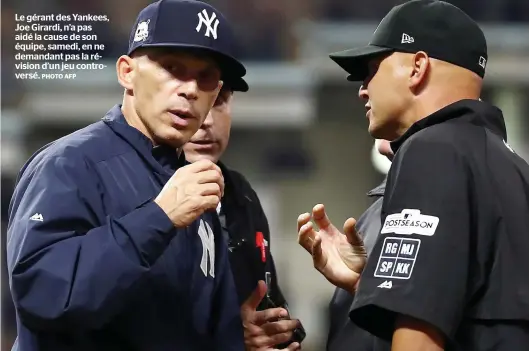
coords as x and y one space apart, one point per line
386 93
173 93
211 140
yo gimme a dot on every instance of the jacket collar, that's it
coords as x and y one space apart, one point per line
164 159
379 190
471 111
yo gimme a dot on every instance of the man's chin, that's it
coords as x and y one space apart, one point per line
374 131
193 155
381 131
174 137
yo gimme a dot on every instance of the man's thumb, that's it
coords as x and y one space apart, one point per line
353 237
256 297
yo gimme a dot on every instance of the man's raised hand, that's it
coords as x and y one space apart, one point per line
191 191
339 257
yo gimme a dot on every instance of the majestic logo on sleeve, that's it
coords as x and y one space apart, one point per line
37 217
410 222
208 248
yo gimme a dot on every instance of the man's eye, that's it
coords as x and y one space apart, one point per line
172 68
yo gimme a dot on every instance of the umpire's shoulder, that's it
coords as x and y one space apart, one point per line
451 137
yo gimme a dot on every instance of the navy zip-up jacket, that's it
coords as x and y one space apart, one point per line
94 262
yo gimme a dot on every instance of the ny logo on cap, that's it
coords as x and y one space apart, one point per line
407 39
142 31
211 23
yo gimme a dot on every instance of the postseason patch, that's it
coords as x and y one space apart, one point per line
410 222
397 258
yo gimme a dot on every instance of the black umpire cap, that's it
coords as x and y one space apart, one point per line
194 26
438 28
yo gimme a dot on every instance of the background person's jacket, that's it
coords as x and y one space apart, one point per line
344 334
96 265
249 243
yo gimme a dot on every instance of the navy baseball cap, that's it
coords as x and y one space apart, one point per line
191 25
438 28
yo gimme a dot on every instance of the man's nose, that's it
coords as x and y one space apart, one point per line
189 89
208 122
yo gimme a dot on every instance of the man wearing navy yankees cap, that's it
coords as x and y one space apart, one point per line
113 239
449 269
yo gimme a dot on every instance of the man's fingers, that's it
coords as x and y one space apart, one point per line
209 176
280 338
213 177
210 202
353 237
255 298
306 236
202 165
320 217
209 189
317 253
303 219
293 347
269 315
262 342
280 327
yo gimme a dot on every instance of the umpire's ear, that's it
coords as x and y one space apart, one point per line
125 71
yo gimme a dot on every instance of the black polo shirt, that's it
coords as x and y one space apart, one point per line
454 245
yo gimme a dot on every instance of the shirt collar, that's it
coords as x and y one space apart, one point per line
379 190
471 111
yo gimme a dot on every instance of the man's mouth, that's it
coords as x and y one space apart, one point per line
184 114
203 142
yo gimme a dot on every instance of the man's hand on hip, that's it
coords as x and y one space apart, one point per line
339 257
264 329
191 191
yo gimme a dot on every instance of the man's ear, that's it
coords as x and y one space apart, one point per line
419 72
125 70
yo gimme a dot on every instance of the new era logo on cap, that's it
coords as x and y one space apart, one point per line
406 39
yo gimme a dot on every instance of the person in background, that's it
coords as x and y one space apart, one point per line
342 331
264 310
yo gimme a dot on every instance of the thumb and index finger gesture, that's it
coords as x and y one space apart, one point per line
339 257
308 238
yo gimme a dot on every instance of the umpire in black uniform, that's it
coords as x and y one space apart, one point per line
450 269
246 230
